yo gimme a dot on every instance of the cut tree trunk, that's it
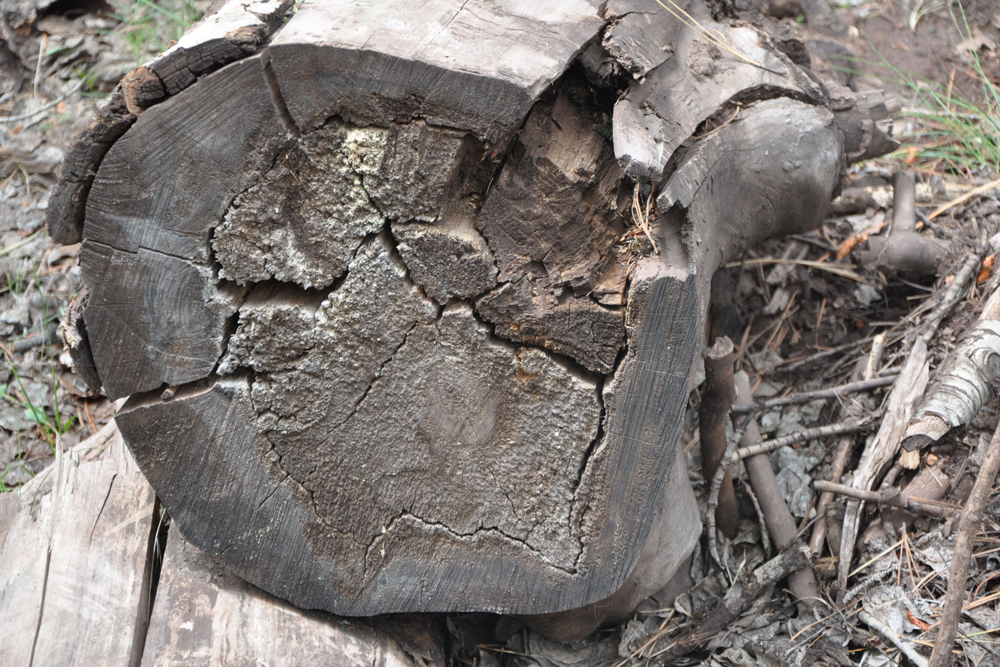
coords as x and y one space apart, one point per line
407 306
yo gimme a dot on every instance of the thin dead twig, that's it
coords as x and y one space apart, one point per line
968 526
807 396
890 496
952 295
734 455
739 598
887 632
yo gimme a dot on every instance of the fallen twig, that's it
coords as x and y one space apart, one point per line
889 496
968 526
952 295
734 455
716 402
962 198
807 396
55 102
772 506
887 632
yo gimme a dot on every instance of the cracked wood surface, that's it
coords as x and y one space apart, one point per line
424 364
74 561
236 30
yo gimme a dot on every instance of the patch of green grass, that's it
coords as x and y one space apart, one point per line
148 26
959 128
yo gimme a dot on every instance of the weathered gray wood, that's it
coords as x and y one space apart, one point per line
553 219
211 160
204 616
75 552
473 67
425 363
699 81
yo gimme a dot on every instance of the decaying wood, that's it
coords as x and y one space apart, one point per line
415 358
968 378
73 331
968 527
716 401
777 518
75 561
878 455
204 615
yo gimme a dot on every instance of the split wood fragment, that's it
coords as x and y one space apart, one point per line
968 527
878 455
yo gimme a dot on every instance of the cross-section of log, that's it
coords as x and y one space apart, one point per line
398 330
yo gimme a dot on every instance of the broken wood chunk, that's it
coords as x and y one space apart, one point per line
73 331
526 312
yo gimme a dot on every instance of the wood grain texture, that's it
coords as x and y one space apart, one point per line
470 65
165 266
206 617
74 563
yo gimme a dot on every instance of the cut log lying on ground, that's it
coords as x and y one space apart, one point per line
389 341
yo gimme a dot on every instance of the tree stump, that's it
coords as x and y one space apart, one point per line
406 296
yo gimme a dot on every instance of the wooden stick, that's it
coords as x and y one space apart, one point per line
968 526
953 293
887 632
968 195
807 396
715 405
775 514
889 496
734 455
